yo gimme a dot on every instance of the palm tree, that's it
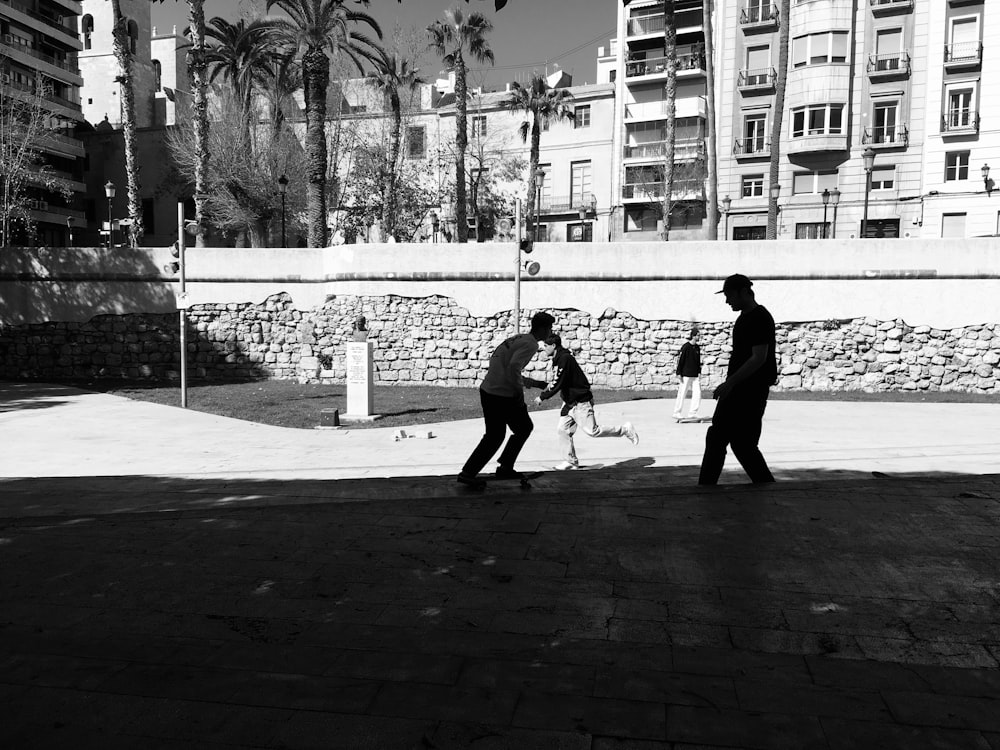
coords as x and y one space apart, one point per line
543 105
393 74
712 197
450 38
242 54
776 122
123 55
315 27
669 111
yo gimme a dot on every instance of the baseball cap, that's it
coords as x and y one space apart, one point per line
734 282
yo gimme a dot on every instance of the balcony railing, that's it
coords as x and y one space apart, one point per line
652 149
644 25
960 121
749 148
756 79
963 53
690 58
894 136
888 65
649 190
884 7
8 41
759 17
55 22
564 204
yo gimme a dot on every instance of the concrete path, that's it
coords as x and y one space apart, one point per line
173 580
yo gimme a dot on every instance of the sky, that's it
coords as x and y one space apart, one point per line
527 34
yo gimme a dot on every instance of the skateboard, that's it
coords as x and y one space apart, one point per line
581 467
693 420
525 480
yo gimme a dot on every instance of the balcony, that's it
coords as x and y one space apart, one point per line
689 58
646 191
758 80
960 122
888 66
896 136
13 43
751 148
887 7
763 18
644 25
963 55
816 143
567 204
51 21
684 148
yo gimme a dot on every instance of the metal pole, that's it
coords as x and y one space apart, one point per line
111 226
824 221
183 310
284 242
864 217
517 266
538 210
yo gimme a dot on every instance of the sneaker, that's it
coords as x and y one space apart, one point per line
504 472
630 433
471 481
566 466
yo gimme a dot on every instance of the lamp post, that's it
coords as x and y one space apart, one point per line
834 201
283 188
869 161
774 191
539 181
986 180
435 223
727 203
69 229
109 191
826 201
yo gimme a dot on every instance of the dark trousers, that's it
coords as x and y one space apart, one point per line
737 424
499 413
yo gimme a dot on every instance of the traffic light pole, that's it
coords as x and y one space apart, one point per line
517 266
183 310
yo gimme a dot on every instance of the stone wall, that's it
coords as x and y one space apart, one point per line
433 341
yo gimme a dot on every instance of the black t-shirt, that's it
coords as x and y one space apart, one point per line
754 328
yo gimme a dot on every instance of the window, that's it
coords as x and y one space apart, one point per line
885 116
819 49
148 216
754 133
813 182
960 113
416 142
546 185
815 230
479 126
581 186
581 116
157 76
953 225
818 119
956 166
133 36
87 27
753 185
641 219
884 178
758 66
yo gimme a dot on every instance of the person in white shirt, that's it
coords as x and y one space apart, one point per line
502 397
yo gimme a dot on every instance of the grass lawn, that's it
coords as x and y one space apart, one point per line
290 404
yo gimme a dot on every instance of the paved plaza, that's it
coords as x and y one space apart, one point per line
170 579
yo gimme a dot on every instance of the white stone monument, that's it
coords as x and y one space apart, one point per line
360 382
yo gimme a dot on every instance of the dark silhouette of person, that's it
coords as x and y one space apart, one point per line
742 398
360 332
502 397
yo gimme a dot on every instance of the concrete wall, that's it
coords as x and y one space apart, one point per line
863 314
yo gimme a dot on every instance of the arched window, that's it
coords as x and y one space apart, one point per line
157 76
133 36
87 28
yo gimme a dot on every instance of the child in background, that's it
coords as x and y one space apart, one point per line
689 371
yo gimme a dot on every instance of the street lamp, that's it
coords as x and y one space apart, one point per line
986 180
283 188
69 228
826 201
435 223
774 191
109 191
727 203
539 181
834 201
869 160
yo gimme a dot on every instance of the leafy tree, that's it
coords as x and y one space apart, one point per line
315 28
392 76
450 39
23 117
542 105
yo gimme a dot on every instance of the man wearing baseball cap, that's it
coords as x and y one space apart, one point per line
742 399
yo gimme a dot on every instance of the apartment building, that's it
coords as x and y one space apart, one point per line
38 56
887 130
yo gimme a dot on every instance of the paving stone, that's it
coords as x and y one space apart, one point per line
845 734
930 709
535 675
666 687
766 731
318 730
590 715
447 703
450 736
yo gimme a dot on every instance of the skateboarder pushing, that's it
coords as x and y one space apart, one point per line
502 397
578 403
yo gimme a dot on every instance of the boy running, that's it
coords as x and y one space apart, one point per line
578 403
